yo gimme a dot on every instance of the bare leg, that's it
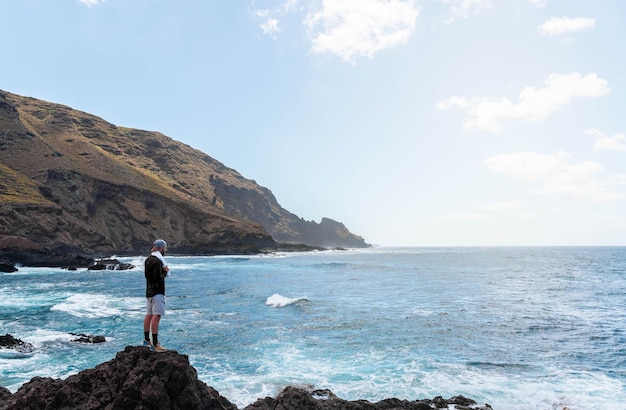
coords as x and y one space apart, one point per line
154 323
146 323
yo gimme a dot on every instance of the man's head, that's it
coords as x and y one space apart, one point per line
159 245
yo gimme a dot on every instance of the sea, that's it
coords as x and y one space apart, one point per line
515 327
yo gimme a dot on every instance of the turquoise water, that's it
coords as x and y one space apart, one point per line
518 328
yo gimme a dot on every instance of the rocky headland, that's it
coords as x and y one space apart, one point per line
74 187
138 378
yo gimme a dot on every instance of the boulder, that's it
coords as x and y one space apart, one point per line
7 267
110 264
9 342
83 338
136 378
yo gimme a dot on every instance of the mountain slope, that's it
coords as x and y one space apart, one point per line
70 180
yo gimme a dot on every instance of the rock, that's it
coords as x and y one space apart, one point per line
44 258
110 264
138 378
296 398
10 342
7 267
83 338
135 379
125 187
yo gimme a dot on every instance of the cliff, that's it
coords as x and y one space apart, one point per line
140 379
71 182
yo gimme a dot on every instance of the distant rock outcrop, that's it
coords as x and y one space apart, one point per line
72 183
140 379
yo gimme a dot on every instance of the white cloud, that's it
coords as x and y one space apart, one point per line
538 3
565 25
359 28
534 103
91 2
466 8
558 175
270 26
603 142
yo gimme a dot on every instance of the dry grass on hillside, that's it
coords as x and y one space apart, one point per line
16 189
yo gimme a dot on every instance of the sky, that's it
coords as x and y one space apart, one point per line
413 122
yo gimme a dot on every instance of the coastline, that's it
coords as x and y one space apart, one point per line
11 258
139 378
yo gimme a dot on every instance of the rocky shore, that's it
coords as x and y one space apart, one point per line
12 258
138 378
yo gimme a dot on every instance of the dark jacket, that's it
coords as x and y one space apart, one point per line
155 276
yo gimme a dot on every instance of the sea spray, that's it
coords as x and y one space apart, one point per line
277 300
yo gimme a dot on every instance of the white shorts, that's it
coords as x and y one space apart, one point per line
156 305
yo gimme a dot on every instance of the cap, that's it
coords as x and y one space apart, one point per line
159 243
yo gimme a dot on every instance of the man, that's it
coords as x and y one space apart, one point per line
155 271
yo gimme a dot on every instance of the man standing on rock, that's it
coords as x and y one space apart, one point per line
155 271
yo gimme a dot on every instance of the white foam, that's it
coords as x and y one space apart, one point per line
136 262
95 306
40 337
277 300
20 297
365 376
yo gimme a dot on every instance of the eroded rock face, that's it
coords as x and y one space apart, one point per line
135 379
76 184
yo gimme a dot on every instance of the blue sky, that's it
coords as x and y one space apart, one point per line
413 122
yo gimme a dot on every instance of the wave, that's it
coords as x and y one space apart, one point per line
277 300
11 354
98 306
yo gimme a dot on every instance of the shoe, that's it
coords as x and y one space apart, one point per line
147 343
158 348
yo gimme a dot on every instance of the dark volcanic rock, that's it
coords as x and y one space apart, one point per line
10 342
45 258
135 379
7 267
294 398
110 264
83 338
138 378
